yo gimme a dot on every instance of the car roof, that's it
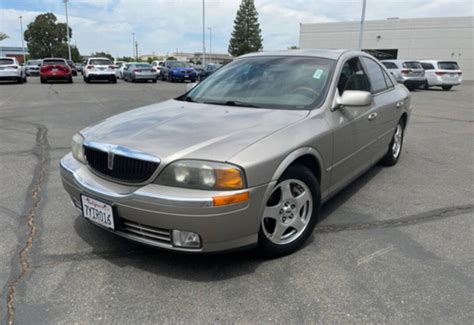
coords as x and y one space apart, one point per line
320 53
56 59
99 58
6 57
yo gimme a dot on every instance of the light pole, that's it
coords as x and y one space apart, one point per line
133 45
361 30
210 44
203 32
67 30
22 40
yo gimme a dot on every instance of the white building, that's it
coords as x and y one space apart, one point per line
449 38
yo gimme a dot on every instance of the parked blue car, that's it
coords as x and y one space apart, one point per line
177 71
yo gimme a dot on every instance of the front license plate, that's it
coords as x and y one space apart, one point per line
98 212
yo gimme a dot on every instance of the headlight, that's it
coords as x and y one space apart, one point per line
77 149
204 175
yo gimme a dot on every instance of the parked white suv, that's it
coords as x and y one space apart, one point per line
444 74
10 69
99 69
408 72
157 65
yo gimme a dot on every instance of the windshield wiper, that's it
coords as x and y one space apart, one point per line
232 103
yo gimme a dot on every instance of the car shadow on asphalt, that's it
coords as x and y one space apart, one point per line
201 268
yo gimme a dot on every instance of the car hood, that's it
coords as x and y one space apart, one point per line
174 129
182 69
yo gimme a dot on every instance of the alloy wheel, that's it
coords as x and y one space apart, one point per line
288 212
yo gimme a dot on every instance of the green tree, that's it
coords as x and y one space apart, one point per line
170 58
3 36
247 35
103 55
46 37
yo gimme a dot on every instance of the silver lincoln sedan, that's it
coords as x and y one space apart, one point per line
245 158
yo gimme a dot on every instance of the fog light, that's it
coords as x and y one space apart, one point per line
186 239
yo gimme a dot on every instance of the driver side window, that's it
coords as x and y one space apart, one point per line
353 77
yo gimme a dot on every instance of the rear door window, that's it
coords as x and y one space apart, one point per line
376 76
448 65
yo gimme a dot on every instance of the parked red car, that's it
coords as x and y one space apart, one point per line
55 69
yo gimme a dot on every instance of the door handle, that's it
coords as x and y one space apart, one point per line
372 116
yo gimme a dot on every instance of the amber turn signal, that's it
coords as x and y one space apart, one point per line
230 199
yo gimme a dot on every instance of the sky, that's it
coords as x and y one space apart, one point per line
164 26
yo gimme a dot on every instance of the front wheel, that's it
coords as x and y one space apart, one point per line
290 213
447 87
395 147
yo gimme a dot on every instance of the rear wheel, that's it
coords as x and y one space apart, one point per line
20 80
395 146
447 87
42 80
154 81
69 80
290 213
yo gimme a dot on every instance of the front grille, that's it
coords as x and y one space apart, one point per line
158 235
124 168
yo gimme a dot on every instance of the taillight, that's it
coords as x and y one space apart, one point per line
440 73
90 67
137 70
405 71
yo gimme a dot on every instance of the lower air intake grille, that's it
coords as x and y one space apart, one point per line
158 235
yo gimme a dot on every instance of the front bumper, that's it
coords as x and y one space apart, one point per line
162 209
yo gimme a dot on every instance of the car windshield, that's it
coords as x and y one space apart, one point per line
52 62
6 61
178 64
34 62
100 62
143 65
448 65
267 82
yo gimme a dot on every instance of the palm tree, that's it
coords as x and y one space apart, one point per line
3 36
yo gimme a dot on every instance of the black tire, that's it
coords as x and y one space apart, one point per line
70 80
447 87
303 174
154 81
20 80
43 80
426 86
25 79
390 158
114 80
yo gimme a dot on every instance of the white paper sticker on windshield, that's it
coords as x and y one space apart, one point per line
317 74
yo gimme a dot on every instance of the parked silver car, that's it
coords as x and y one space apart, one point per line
244 158
137 71
444 74
408 72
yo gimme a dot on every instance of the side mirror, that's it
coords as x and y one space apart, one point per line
354 98
190 86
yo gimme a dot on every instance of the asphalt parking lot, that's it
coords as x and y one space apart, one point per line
396 246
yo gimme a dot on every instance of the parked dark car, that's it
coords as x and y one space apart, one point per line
177 71
72 65
208 70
